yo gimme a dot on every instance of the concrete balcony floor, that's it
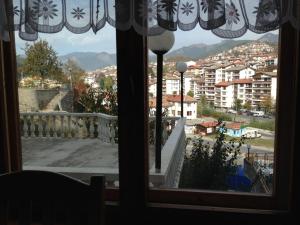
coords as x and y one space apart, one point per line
75 153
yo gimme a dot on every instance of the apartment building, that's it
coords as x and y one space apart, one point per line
171 85
224 95
243 90
238 72
264 85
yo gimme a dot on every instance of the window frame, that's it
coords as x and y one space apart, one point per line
283 148
186 199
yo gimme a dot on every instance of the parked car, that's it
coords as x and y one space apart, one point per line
232 111
258 113
268 116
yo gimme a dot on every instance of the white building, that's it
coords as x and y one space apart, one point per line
172 105
189 106
152 89
172 85
224 95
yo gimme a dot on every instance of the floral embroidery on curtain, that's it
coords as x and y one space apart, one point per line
225 18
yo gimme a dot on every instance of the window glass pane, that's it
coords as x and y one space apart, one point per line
229 107
68 104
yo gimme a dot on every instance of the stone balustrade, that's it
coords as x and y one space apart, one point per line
82 125
69 125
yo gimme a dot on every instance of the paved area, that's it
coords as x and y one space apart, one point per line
91 153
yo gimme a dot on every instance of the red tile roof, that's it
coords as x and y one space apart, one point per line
234 126
242 81
223 84
209 124
177 98
165 103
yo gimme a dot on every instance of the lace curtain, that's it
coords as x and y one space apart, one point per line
225 18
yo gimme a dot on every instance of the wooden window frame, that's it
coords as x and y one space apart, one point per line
134 172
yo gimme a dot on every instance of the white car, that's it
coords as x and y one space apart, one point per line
231 111
258 113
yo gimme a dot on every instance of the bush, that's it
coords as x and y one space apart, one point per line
210 167
218 115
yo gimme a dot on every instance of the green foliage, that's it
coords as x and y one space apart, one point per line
215 114
209 167
247 105
190 93
99 101
106 83
237 105
42 61
265 125
73 71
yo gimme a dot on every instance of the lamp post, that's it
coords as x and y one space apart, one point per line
248 148
159 45
181 67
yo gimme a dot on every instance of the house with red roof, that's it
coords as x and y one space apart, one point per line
208 127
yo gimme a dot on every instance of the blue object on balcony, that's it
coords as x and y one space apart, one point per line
239 182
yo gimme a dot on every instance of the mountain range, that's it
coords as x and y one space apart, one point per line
90 61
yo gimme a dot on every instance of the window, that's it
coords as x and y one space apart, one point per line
189 113
72 110
285 141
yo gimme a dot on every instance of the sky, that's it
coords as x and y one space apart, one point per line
66 42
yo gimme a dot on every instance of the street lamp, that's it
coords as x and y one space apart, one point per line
181 67
248 147
159 45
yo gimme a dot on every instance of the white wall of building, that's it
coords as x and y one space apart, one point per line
274 88
172 86
189 110
246 73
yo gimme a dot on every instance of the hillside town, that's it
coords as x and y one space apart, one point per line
247 72
233 92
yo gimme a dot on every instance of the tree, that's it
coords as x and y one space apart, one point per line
73 71
266 104
107 83
42 61
190 93
247 105
210 167
237 105
94 100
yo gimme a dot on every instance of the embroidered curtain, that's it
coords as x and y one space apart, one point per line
225 18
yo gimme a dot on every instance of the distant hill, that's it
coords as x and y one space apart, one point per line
90 61
199 51
270 38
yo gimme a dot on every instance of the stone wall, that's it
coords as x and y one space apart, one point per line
32 100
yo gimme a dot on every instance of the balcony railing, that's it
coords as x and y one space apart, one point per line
82 126
96 125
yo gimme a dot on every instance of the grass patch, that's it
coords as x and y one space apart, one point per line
217 115
265 125
268 143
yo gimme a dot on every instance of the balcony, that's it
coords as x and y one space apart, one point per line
85 144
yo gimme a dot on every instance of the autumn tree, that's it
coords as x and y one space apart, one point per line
73 71
266 104
42 61
247 105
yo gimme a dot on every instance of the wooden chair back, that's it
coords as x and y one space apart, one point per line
47 198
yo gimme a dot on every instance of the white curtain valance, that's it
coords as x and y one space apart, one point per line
225 18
